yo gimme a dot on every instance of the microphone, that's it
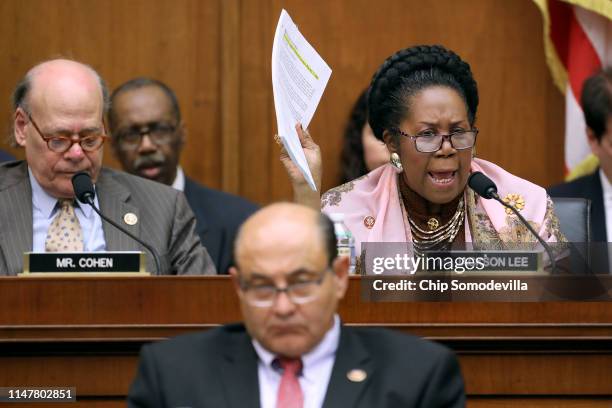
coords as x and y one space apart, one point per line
85 193
482 185
486 188
83 188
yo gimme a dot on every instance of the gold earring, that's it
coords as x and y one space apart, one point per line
396 162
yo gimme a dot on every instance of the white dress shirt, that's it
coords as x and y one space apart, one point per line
607 201
316 371
44 209
179 180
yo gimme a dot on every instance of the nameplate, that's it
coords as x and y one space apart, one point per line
84 263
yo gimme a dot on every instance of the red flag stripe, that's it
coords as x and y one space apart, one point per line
584 60
560 19
572 44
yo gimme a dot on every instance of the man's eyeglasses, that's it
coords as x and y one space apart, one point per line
429 141
62 143
159 133
299 292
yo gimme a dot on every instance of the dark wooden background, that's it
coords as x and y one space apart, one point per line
216 55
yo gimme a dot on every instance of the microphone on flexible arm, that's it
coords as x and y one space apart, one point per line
486 188
85 193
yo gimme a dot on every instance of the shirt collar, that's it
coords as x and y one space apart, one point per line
46 203
179 181
326 347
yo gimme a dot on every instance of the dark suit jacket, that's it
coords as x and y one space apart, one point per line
164 220
218 369
218 215
588 187
4 156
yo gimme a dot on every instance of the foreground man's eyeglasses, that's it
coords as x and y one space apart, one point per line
298 292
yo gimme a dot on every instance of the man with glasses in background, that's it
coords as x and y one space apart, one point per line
59 109
148 136
293 351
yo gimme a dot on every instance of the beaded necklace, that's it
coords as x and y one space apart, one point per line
439 236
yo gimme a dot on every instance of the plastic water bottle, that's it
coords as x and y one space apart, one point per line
344 239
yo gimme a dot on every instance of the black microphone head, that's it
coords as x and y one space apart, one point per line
83 187
482 185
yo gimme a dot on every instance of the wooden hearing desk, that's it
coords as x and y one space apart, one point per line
86 333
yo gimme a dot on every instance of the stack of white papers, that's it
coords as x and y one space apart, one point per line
299 77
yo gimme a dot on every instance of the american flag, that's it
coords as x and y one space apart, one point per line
577 43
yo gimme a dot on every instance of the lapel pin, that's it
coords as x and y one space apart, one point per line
130 218
369 222
356 375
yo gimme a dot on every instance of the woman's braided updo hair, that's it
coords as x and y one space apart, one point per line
411 70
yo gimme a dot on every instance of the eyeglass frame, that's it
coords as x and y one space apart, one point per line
448 137
80 140
244 287
171 129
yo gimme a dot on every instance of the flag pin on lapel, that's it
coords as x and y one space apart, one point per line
130 218
356 375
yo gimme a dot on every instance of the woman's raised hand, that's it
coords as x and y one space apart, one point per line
302 193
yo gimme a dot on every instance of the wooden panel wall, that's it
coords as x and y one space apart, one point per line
178 42
216 55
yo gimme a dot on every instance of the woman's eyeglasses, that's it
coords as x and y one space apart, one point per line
429 142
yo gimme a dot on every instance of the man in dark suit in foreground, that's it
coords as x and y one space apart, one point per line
148 136
596 101
292 350
58 120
